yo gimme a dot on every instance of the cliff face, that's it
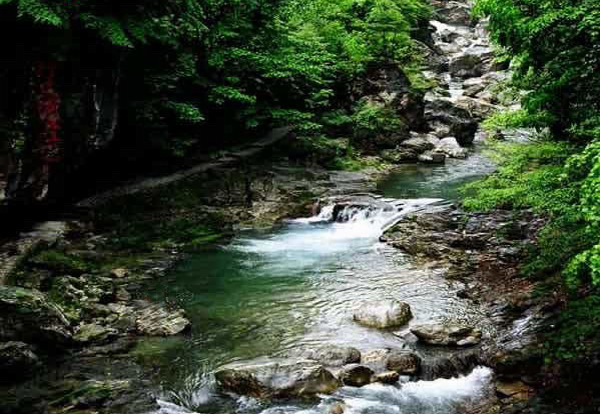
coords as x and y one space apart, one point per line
64 111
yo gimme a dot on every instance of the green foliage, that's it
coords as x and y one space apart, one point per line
60 262
194 68
555 53
554 46
371 119
577 335
559 181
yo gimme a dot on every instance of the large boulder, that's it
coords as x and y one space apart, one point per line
417 144
459 122
479 108
432 157
467 66
276 379
27 315
450 147
17 360
403 362
384 314
388 377
447 334
356 375
398 155
333 355
453 12
388 85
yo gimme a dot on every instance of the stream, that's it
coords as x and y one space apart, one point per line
278 293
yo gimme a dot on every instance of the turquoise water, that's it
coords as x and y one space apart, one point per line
275 293
443 180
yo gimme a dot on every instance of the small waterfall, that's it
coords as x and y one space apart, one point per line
441 396
340 223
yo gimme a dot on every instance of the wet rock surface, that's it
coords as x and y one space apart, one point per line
447 334
276 379
483 251
403 362
383 315
356 375
17 360
157 320
333 355
28 315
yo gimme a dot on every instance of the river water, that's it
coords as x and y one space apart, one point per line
278 292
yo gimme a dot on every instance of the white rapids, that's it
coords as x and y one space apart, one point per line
441 396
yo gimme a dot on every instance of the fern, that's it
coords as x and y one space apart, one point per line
39 12
107 27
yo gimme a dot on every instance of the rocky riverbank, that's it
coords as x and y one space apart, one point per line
75 302
485 251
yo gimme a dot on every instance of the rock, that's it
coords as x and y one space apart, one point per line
376 358
417 144
337 408
447 335
453 12
92 332
466 66
27 315
333 356
119 273
388 86
452 365
356 375
450 147
273 379
445 117
389 377
479 108
383 314
398 155
403 362
17 360
432 157
474 91
517 390
156 320
123 295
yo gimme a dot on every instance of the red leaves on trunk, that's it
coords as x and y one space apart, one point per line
48 110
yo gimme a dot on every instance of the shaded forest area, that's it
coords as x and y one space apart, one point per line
99 92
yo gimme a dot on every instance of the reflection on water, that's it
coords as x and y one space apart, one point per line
443 181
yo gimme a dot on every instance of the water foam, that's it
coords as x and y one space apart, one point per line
325 234
441 396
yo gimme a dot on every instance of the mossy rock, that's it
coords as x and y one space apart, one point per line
27 315
91 393
17 360
60 262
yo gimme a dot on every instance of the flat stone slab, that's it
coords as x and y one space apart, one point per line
156 320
